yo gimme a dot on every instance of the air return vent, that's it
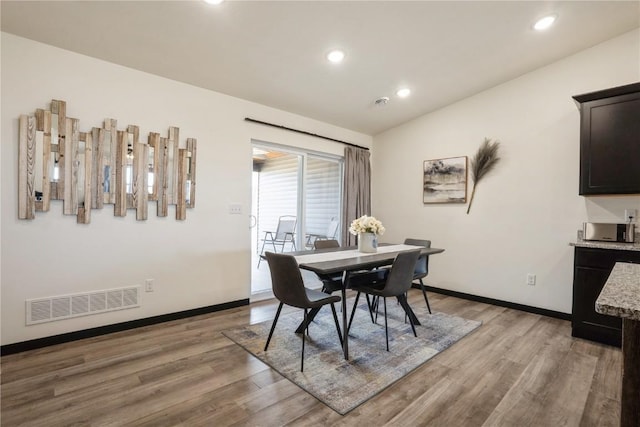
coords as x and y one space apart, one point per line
42 310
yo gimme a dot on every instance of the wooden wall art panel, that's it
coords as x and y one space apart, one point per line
87 170
26 168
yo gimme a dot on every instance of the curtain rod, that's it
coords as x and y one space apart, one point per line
248 119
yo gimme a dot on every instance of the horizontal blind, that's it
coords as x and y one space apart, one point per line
322 187
277 192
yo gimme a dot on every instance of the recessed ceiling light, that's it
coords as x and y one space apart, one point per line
544 23
404 92
213 1
335 56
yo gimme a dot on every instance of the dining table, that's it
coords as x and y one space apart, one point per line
348 261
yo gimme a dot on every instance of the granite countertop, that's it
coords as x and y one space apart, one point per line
620 296
620 246
607 245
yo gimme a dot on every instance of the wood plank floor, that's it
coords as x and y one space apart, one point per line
518 369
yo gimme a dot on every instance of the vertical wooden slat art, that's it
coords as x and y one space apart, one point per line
154 141
84 206
43 130
40 119
120 207
88 170
135 130
47 165
59 108
161 177
55 193
192 149
26 156
110 150
70 202
133 138
181 205
97 168
39 170
140 192
172 170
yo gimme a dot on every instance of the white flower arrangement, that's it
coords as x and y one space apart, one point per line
366 224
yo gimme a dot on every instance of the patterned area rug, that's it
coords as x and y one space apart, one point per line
340 384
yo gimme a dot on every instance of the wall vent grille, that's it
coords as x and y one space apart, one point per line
60 307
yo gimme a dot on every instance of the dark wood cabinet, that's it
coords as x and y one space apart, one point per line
592 267
610 141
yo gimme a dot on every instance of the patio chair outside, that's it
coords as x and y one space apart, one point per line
285 233
330 234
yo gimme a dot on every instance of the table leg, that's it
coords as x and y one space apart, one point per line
407 309
345 325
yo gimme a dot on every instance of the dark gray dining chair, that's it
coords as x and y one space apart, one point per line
288 288
397 283
422 266
326 244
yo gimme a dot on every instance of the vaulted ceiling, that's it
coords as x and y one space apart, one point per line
274 52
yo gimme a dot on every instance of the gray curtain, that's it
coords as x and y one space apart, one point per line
356 194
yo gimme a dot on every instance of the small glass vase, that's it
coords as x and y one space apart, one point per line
367 243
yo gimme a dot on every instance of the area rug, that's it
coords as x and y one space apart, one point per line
344 384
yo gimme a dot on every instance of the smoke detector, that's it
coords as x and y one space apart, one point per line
382 101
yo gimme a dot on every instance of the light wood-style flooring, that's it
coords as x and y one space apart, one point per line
518 369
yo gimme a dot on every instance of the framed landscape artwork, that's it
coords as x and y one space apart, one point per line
445 180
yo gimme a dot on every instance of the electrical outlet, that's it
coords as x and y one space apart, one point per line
148 285
235 209
531 279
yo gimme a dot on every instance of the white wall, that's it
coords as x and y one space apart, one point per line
527 211
202 261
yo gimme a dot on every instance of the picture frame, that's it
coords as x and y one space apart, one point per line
445 180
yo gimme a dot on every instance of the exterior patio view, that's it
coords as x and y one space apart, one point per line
286 184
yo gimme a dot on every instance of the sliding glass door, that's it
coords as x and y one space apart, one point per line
290 184
322 195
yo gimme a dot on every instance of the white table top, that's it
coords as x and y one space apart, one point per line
352 253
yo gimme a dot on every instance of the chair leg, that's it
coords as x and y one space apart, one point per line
413 328
273 326
386 328
312 314
424 292
376 305
335 318
304 334
370 307
353 311
405 313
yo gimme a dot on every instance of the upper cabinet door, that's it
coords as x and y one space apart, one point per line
610 141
